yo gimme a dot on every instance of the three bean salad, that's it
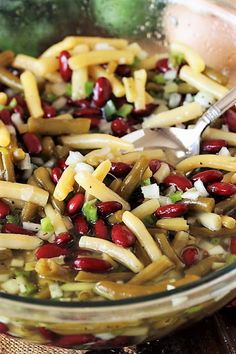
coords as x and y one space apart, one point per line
83 214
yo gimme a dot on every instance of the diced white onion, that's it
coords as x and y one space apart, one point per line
170 74
21 283
164 200
25 164
17 262
105 126
191 193
59 103
31 226
188 98
174 100
50 163
134 136
216 250
74 157
217 265
55 290
205 99
82 166
10 286
105 336
201 188
151 192
224 151
16 119
225 127
206 246
170 287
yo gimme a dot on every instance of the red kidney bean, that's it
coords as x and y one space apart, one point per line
190 255
61 163
32 143
180 182
81 225
162 65
154 165
16 229
107 208
3 328
63 239
5 116
87 112
233 245
102 91
4 209
49 111
75 203
230 119
64 68
50 250
123 70
56 174
71 340
94 122
120 169
222 189
92 264
212 145
208 176
82 103
149 109
20 110
100 229
119 127
46 333
171 210
122 236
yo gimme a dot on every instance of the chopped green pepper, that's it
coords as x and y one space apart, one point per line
176 196
125 110
90 211
88 86
46 225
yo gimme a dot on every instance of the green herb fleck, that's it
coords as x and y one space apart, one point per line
68 90
90 211
46 225
176 196
159 79
88 86
146 182
13 219
125 110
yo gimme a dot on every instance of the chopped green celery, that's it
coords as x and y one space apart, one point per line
125 110
230 258
146 182
109 109
13 219
176 59
30 288
176 196
215 241
12 103
159 79
46 225
50 97
68 90
150 220
136 62
90 211
88 86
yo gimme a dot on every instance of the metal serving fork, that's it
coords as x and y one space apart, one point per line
182 142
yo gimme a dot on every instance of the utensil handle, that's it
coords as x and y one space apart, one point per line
217 109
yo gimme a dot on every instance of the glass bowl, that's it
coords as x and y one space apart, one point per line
210 27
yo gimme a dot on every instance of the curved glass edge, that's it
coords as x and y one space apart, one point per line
115 303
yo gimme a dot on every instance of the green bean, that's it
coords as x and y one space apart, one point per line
47 268
216 76
202 232
153 270
201 204
8 167
141 254
58 126
168 250
48 146
29 211
10 80
95 277
115 184
204 266
133 179
226 206
42 176
6 57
